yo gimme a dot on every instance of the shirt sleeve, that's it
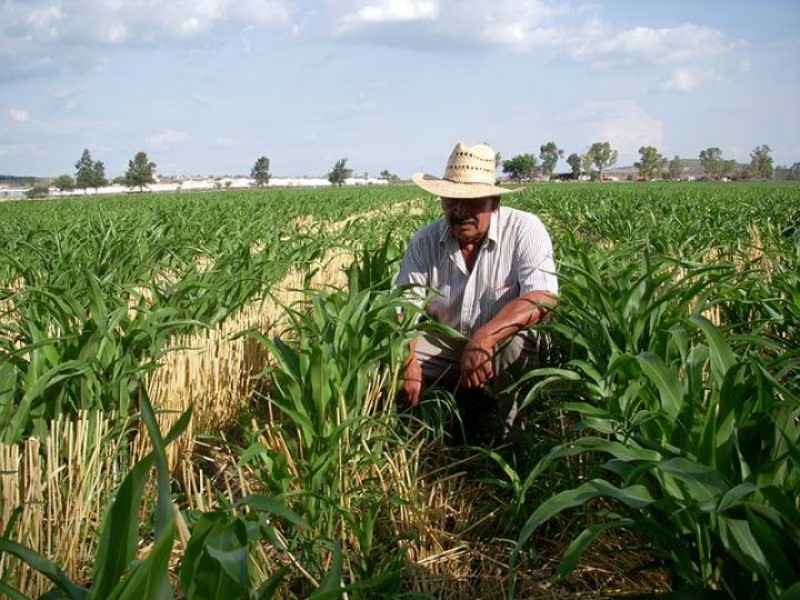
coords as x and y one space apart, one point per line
414 271
537 268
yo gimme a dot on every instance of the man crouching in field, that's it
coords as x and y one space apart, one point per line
488 272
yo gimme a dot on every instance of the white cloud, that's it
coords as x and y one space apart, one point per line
627 127
116 33
261 12
684 79
170 137
623 123
668 45
45 19
393 11
19 115
117 21
683 57
517 24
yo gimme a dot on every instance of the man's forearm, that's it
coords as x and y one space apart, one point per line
515 316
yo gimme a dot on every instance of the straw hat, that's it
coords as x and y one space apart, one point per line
470 173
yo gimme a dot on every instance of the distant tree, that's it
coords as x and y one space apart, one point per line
664 168
784 173
602 156
340 172
120 180
550 153
39 190
141 171
675 169
650 164
727 168
260 171
99 175
711 161
84 171
574 160
761 163
64 183
520 167
390 177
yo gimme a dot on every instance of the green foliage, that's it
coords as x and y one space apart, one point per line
714 165
141 171
521 167
335 436
761 163
64 183
575 161
89 173
260 171
601 156
698 439
550 153
685 433
651 163
784 173
117 574
99 175
388 176
84 171
339 173
675 169
39 190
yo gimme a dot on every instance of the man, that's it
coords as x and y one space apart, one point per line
488 272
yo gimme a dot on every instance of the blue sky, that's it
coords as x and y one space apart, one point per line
208 86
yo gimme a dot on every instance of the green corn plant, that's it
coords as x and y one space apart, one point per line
334 436
215 564
713 486
74 351
116 574
616 308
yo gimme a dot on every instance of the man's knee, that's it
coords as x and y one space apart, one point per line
440 358
523 351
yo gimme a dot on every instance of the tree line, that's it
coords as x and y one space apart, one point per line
141 172
90 173
600 156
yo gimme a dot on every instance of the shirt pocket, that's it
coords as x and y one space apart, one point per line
438 306
501 296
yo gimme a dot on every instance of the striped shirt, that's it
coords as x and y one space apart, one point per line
514 259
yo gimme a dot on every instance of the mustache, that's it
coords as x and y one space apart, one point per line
453 220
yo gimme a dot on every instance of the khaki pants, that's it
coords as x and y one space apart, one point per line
487 415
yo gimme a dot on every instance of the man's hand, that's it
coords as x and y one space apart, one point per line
476 363
412 381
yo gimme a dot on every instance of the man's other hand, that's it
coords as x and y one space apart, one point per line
476 364
412 382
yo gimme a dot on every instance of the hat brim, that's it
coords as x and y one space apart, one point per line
445 188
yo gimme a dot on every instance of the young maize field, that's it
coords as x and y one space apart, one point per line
198 400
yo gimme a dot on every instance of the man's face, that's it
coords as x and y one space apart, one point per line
469 218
